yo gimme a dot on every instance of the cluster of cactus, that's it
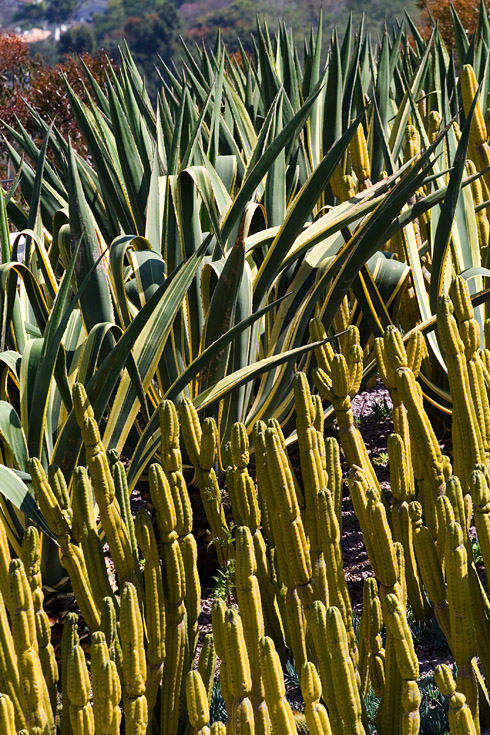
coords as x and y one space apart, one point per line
291 598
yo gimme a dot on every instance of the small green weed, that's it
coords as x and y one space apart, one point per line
381 459
217 707
477 555
381 410
224 582
433 708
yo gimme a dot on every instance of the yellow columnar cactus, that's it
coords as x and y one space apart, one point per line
314 476
78 688
483 226
372 653
123 498
69 640
467 437
333 469
106 687
31 558
72 556
244 496
316 715
338 378
85 533
463 643
134 662
411 708
7 716
360 158
426 450
35 695
429 567
469 331
435 120
154 606
9 667
461 721
109 625
104 489
392 354
479 148
396 623
4 561
250 605
275 692
172 465
206 665
197 701
201 445
329 540
402 527
342 671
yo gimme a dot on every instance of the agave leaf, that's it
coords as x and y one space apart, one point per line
381 97
95 302
376 288
133 169
260 168
220 315
230 382
445 225
5 248
297 214
13 435
460 38
150 437
146 337
8 280
49 359
17 493
332 112
275 186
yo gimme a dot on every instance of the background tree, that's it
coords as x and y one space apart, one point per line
439 11
29 81
151 34
77 40
60 10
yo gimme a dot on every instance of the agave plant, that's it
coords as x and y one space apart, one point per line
187 255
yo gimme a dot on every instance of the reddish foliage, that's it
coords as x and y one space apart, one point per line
467 11
29 80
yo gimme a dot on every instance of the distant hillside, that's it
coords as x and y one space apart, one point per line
152 28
